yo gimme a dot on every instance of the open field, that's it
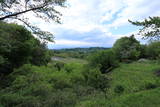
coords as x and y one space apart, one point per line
69 60
141 87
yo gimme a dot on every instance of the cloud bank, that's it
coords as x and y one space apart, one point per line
89 23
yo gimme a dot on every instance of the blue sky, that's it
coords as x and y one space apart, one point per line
98 23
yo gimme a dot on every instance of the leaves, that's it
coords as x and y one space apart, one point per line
44 9
150 27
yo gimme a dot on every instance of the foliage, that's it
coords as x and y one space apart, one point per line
134 77
44 9
151 86
95 79
46 86
105 60
18 47
153 50
81 53
71 82
119 89
151 27
143 51
127 48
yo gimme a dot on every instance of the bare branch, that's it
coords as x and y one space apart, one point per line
18 13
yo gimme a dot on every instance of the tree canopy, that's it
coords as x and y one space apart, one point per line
44 9
18 47
150 27
127 48
105 60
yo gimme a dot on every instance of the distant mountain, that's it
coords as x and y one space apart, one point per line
76 52
84 50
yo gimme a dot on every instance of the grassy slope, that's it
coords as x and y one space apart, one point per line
133 77
147 98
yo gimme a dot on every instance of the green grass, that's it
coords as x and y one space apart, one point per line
72 60
148 98
134 78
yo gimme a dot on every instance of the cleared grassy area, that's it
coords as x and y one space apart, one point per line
70 60
141 87
148 98
134 77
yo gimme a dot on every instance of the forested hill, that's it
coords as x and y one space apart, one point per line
90 49
76 52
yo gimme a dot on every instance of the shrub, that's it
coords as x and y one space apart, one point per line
119 89
105 60
95 79
127 48
150 86
65 98
17 100
59 65
143 50
153 50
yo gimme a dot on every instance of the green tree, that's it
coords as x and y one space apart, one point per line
153 50
44 9
150 27
127 48
18 47
105 60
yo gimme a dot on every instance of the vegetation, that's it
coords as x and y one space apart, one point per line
18 47
128 87
46 86
105 60
150 27
93 77
81 53
153 50
43 9
127 49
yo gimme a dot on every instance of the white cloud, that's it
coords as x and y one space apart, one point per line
137 10
83 16
73 42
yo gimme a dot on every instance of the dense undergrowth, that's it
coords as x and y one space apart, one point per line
74 85
31 86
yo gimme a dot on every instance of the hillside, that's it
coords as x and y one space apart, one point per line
140 87
77 52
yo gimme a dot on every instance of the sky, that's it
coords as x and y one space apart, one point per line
98 23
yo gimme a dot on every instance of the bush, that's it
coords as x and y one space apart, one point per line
95 79
17 100
119 89
65 98
153 50
127 48
143 49
150 86
59 65
105 60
